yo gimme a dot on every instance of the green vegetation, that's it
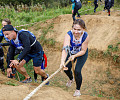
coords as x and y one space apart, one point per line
108 72
93 53
46 3
113 51
27 17
11 83
29 69
43 40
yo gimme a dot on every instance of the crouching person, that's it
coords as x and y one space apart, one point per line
32 49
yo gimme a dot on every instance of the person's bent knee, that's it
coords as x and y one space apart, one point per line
37 69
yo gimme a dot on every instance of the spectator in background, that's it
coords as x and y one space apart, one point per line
73 6
110 3
105 7
96 5
78 6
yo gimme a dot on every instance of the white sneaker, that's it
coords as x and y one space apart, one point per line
77 93
69 83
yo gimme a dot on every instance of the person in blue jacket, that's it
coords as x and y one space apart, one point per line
32 49
76 42
78 6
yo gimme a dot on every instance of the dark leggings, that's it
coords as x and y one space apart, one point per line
79 65
109 5
96 5
1 64
105 5
77 7
1 59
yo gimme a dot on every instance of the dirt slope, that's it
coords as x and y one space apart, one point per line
103 30
97 77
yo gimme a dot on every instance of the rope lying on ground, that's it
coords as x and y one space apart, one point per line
44 82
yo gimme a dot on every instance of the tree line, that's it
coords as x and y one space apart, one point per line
47 3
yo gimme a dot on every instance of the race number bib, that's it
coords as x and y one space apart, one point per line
76 49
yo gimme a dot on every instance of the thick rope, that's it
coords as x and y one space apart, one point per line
44 82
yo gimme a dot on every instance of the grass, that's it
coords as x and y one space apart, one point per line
108 72
59 81
111 52
11 83
21 18
29 69
93 53
43 40
100 93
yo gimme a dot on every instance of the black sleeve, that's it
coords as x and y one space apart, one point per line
5 44
11 54
1 37
24 38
